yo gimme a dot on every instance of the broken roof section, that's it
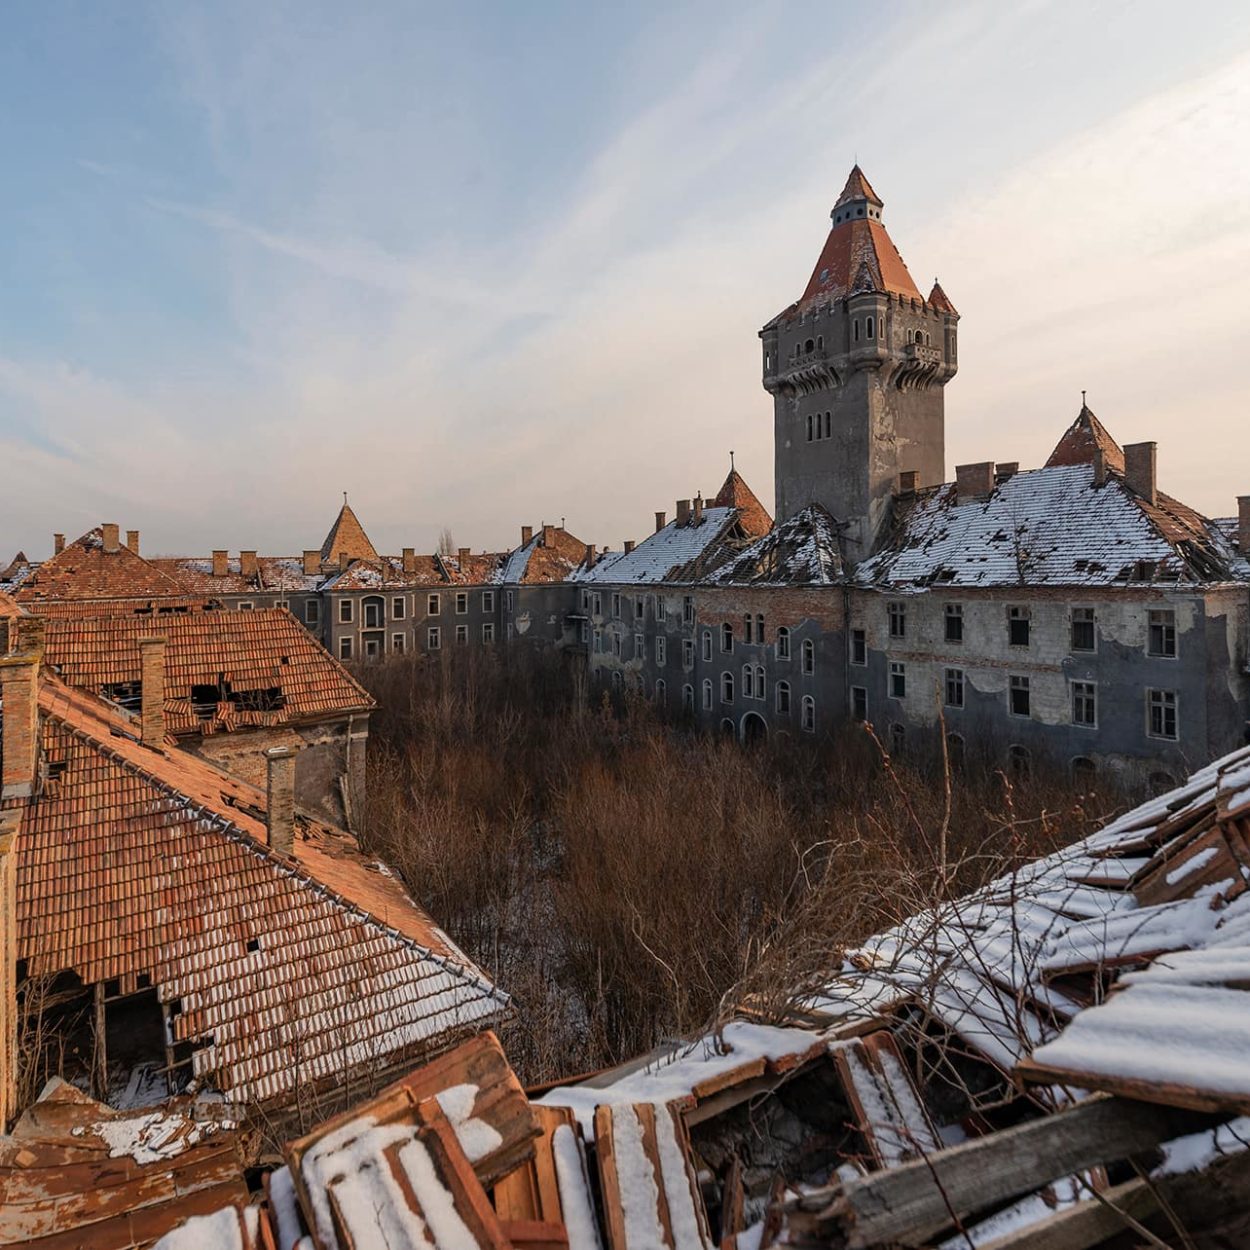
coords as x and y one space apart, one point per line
347 539
223 670
802 551
753 517
1083 440
669 555
97 566
551 555
1048 527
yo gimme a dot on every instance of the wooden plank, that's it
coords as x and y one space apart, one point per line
1138 1089
912 1203
609 1180
535 1235
1172 874
1082 1226
732 1206
532 1191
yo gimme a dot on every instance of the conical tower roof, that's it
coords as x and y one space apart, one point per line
347 539
1082 440
938 299
858 188
752 515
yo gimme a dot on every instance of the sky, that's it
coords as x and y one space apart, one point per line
485 265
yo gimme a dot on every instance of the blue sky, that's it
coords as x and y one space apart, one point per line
485 265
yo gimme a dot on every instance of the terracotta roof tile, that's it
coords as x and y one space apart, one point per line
851 247
858 188
347 538
84 570
752 515
938 299
550 556
1082 440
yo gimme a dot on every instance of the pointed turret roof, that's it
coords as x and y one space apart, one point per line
939 300
347 537
752 515
858 188
1083 439
859 255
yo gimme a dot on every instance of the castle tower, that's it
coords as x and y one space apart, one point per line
856 369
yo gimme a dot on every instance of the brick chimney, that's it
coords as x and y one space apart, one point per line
659 521
9 821
410 559
1100 467
132 540
221 563
549 535
1243 524
1006 469
280 803
21 649
111 537
590 555
628 545
683 512
58 544
698 509
974 481
527 534
1140 463
908 481
462 555
152 691
312 563
247 563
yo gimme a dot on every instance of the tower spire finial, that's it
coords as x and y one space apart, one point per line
731 461
345 499
1083 403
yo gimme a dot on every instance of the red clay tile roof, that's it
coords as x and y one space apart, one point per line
550 556
858 188
483 569
347 538
387 572
1082 439
150 610
84 570
852 248
753 517
247 656
938 299
194 575
8 607
283 972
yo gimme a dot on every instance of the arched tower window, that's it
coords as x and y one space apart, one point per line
870 327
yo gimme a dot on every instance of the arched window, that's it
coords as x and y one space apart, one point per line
726 687
687 698
727 637
955 751
661 691
828 425
748 682
617 680
759 681
870 328
809 427
809 714
855 331
748 627
727 728
707 694
898 738
809 656
759 627
1084 770
783 643
1018 760
783 698
820 342
807 347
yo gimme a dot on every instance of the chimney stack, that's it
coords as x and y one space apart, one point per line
21 649
111 537
9 821
152 691
247 563
462 555
659 521
683 512
132 540
549 535
974 481
590 555
312 563
907 482
221 563
1243 525
1007 469
1140 464
280 804
58 544
698 509
1100 467
527 535
628 545
410 560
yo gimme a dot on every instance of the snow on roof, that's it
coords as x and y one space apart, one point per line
1052 526
800 551
550 556
665 554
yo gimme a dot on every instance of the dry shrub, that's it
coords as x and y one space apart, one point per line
627 879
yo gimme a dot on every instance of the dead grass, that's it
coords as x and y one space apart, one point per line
626 880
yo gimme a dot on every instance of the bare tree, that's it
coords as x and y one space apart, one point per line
446 543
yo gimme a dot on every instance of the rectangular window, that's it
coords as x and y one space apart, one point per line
433 638
660 610
1084 703
345 610
507 600
397 644
859 646
596 606
687 653
747 625
462 602
616 606
954 687
1161 714
488 601
312 611
345 648
1162 637
1083 638
462 633
1018 696
1018 627
661 651
616 645
783 643
247 606
598 640
954 622
373 615
687 609
859 703
898 680
727 638
488 631
640 646
583 631
898 620
397 609
707 645
640 608
433 605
